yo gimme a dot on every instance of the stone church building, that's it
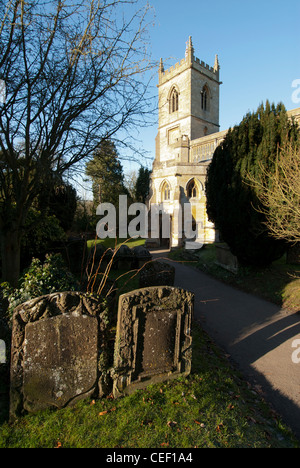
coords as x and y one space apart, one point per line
188 134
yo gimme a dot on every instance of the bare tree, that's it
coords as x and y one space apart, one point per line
280 194
74 75
130 183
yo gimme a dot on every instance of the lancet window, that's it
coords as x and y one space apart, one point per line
204 98
192 189
174 101
166 192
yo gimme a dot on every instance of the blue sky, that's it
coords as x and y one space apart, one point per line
258 44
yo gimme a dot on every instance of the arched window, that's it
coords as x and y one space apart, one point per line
174 101
166 192
205 98
192 189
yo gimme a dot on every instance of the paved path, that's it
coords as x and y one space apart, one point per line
257 334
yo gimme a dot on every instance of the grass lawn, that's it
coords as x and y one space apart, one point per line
213 407
112 243
278 283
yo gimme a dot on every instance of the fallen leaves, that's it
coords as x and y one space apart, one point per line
102 413
199 423
219 427
171 424
148 400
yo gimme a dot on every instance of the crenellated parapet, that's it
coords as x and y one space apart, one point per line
189 61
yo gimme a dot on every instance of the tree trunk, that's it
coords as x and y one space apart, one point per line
11 253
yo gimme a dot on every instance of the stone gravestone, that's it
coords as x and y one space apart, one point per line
56 345
123 258
141 256
157 274
153 340
225 258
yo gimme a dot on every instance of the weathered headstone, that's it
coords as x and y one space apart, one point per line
60 360
157 274
153 341
123 258
99 257
56 347
225 258
141 256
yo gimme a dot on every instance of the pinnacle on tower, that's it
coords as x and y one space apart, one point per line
189 53
161 66
216 65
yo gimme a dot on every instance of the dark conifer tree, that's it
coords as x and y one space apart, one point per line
142 185
232 204
106 172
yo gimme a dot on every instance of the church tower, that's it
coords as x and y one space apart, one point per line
188 96
188 132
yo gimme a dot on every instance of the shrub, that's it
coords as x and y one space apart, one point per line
39 280
41 231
